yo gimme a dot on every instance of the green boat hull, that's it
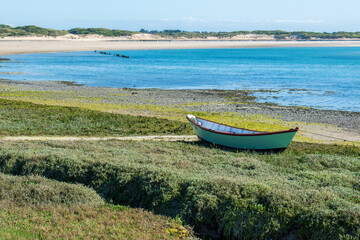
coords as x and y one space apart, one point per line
260 141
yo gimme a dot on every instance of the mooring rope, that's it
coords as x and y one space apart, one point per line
323 135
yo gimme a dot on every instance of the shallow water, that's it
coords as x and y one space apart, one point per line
325 78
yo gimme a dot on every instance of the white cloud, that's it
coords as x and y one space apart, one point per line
297 21
192 19
9 24
229 21
303 21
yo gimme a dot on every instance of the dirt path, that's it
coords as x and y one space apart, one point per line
313 133
171 138
326 139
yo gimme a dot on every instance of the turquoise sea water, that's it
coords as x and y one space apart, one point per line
325 78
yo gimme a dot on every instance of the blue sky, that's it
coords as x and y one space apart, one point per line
191 15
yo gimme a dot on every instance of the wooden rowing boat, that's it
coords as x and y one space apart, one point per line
240 138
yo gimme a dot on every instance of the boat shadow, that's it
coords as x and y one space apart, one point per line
206 144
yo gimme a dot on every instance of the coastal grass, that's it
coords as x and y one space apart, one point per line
171 112
35 190
308 192
87 222
33 207
25 118
29 30
131 102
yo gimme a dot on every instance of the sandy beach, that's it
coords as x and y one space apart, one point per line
9 46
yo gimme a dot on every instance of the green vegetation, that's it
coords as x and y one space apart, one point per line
308 192
101 31
311 191
33 207
87 222
47 104
25 118
278 34
32 30
36 190
92 119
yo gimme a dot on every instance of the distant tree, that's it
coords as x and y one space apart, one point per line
32 30
172 31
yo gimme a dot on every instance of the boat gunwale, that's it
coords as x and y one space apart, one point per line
260 133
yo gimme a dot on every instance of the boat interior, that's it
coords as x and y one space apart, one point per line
222 128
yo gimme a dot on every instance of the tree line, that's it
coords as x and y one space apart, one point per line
31 30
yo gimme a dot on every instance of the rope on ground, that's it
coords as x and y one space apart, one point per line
323 135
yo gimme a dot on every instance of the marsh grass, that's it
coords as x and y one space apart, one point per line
171 118
25 118
119 104
35 190
309 191
87 222
32 207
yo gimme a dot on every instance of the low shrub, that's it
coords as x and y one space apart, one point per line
37 190
222 193
87 222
